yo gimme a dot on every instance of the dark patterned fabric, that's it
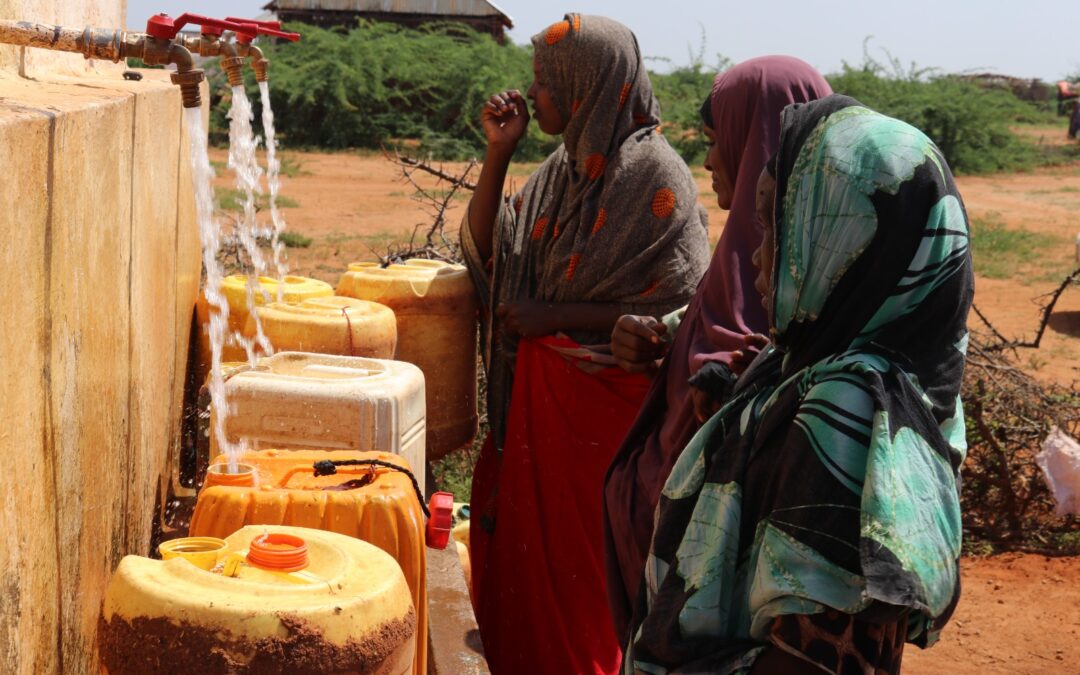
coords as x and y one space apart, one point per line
744 110
830 480
610 217
841 643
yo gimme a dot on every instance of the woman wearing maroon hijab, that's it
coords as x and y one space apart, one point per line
720 330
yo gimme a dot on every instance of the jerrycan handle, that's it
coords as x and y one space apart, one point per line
284 482
440 520
440 513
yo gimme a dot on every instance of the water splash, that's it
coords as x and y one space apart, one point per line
242 160
273 169
210 235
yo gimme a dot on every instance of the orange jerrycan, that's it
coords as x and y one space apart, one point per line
435 306
320 401
328 325
281 599
379 504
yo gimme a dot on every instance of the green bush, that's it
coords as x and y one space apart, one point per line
382 84
681 93
970 124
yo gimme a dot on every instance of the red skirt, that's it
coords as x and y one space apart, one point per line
537 535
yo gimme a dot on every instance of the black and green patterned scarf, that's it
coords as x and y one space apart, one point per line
830 480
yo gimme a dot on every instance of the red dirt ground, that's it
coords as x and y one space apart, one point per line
1020 613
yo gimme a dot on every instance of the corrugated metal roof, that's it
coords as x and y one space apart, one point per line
436 7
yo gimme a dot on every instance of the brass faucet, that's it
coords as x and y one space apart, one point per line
259 62
211 43
155 47
244 48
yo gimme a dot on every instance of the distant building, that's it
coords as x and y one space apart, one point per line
481 15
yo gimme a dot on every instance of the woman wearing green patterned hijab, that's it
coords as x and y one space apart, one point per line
813 524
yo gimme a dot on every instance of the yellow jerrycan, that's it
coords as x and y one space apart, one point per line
280 599
294 289
328 325
368 495
435 306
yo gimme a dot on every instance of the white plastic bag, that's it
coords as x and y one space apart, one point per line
1060 464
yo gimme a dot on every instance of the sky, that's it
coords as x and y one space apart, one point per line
1029 38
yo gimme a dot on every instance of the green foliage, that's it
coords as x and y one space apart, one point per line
998 252
133 62
970 124
380 82
295 240
292 167
232 199
384 84
681 91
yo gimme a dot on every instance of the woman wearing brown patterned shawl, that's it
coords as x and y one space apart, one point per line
608 225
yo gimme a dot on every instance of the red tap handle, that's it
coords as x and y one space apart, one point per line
273 25
271 28
164 27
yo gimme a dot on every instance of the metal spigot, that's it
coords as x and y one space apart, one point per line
113 45
244 46
156 47
162 27
211 43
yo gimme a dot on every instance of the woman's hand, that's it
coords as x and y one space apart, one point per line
704 405
505 118
526 318
636 342
741 358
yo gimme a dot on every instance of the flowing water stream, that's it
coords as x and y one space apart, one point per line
273 168
210 235
243 161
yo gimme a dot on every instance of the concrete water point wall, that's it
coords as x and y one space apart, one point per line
99 270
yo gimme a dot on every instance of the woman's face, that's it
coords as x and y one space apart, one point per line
544 109
763 257
722 184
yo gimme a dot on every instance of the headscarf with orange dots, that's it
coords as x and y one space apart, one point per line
610 217
599 82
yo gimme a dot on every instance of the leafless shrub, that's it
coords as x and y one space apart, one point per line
1005 499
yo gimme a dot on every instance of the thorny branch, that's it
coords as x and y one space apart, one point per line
433 244
408 163
1009 413
1047 310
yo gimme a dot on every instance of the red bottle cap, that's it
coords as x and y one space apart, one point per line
441 520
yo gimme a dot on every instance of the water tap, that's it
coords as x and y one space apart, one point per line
244 46
211 42
154 47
